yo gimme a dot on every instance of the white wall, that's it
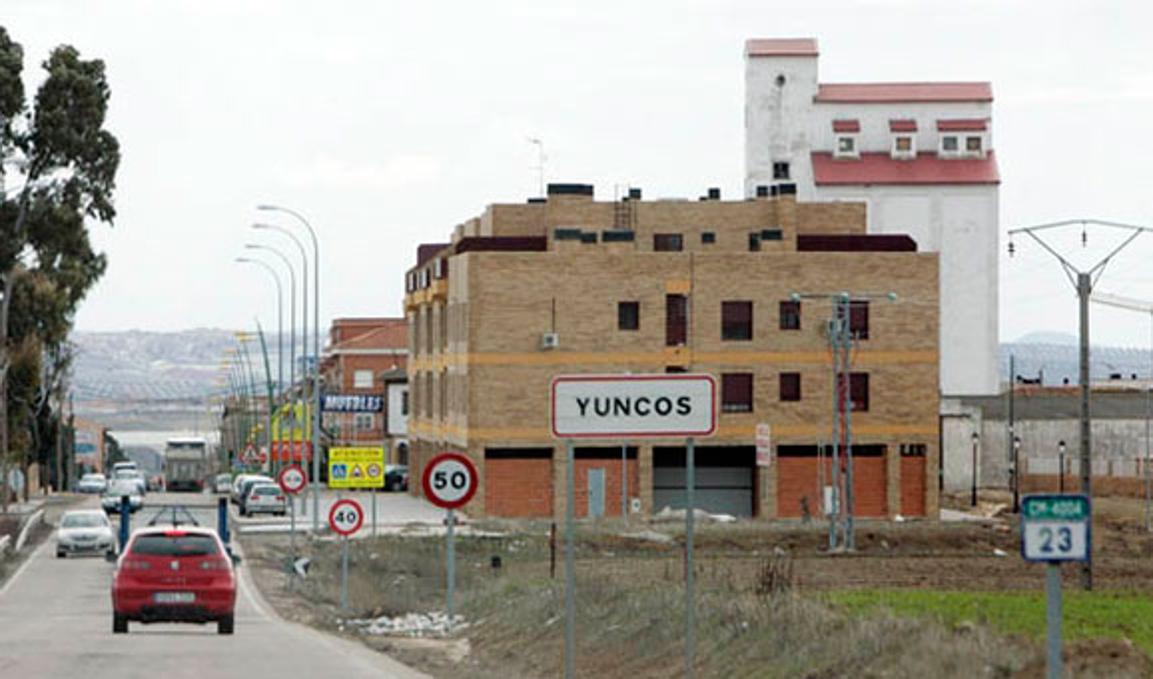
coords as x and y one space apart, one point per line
397 422
778 119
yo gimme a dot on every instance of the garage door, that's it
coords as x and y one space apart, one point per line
913 480
799 481
518 482
724 479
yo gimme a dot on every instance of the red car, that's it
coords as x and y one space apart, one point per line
180 574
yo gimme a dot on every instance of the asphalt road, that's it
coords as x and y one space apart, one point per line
56 621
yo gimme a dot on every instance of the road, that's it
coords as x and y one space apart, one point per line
56 621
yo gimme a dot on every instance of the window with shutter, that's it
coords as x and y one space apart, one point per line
790 386
668 242
628 315
736 320
790 315
737 392
676 320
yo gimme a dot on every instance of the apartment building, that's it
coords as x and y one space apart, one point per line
918 154
741 290
366 391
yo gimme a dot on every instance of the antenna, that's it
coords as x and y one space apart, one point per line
540 160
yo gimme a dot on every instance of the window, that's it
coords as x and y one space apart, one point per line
708 237
859 319
903 146
668 242
362 379
754 242
790 315
364 421
736 320
858 391
846 146
676 320
913 450
737 392
973 144
404 402
780 170
628 315
949 144
790 386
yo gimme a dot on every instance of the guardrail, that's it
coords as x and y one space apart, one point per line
35 518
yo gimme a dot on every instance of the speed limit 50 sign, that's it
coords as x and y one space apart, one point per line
449 480
1055 528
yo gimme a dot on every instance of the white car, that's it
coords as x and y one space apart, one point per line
240 485
264 497
92 483
84 531
118 488
131 475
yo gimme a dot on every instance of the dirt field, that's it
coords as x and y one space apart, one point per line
632 572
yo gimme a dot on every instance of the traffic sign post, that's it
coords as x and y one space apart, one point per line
1055 529
632 406
346 517
449 481
292 480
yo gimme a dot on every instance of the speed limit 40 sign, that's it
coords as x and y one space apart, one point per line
1055 528
449 480
346 517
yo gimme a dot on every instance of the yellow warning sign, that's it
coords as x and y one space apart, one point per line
356 467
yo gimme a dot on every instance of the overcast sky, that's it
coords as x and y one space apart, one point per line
387 123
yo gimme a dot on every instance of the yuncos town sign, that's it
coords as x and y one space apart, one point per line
627 406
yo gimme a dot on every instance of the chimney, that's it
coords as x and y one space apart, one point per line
714 194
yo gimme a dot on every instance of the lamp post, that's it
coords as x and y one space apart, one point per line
291 324
1061 464
316 354
279 340
1016 474
973 498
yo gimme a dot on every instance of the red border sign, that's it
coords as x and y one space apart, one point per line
429 491
336 507
612 379
280 480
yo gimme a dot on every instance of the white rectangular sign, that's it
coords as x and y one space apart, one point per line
1056 540
633 406
764 440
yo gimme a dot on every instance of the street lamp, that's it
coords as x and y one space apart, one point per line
1061 464
316 354
279 342
1016 473
973 498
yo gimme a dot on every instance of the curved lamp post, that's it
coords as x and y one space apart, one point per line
315 350
279 341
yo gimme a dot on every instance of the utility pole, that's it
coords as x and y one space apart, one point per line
1083 281
1009 438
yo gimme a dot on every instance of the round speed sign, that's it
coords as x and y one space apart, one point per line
292 479
449 480
346 517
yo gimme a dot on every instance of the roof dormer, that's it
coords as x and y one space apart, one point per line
904 139
846 133
963 138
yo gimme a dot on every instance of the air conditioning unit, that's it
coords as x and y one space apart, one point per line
549 340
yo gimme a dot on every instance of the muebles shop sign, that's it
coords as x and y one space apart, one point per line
633 406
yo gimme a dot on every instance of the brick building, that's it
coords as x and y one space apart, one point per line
567 285
367 356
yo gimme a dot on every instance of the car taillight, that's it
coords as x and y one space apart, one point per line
136 565
280 498
214 565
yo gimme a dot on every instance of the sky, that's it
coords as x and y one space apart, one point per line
387 123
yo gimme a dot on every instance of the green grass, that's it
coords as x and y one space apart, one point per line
1087 615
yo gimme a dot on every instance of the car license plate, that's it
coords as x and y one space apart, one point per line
174 597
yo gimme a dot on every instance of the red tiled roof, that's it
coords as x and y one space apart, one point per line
969 125
781 47
926 168
902 125
846 126
880 93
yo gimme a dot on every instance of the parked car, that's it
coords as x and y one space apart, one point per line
123 466
174 575
118 488
92 483
238 483
222 484
246 485
264 497
84 530
395 477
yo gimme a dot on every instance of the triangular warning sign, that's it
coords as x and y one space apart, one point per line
357 472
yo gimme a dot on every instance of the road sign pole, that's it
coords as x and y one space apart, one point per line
373 512
690 599
569 575
451 566
1053 616
292 531
344 574
624 481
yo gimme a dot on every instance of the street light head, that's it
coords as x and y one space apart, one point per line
976 437
242 259
795 297
1016 441
892 297
267 207
1061 445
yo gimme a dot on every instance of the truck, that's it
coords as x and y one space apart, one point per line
186 462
